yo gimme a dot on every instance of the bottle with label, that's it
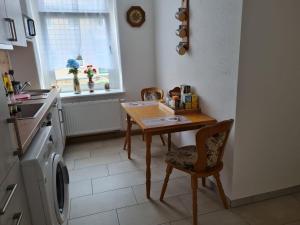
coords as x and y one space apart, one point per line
7 83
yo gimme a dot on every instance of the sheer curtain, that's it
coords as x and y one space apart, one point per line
76 27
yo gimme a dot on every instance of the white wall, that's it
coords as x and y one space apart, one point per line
211 66
267 152
137 49
24 64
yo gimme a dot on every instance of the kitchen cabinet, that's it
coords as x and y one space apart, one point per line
13 201
14 206
12 30
4 32
14 13
8 140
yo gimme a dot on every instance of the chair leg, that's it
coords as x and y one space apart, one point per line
125 142
194 182
221 190
162 140
203 181
164 188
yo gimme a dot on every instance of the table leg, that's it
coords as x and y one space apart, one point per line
148 163
169 142
129 125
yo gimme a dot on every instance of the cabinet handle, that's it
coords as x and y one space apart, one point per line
15 32
62 115
12 28
18 217
31 27
11 190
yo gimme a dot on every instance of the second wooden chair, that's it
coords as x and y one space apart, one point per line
149 94
202 160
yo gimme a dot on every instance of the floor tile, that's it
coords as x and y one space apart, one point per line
118 181
141 158
206 204
106 218
152 213
176 186
106 201
80 188
224 217
126 166
88 173
158 173
76 152
106 149
90 145
82 163
281 210
70 164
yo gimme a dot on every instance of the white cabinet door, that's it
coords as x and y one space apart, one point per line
4 28
7 141
17 206
15 17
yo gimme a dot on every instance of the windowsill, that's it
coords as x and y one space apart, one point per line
65 95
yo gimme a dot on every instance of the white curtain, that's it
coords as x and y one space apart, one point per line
73 5
76 27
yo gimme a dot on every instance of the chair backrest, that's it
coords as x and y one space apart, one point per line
152 94
210 142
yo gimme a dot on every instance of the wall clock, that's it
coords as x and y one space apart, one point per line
136 16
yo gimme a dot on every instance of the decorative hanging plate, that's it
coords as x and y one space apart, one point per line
136 16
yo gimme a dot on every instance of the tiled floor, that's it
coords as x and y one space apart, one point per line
108 189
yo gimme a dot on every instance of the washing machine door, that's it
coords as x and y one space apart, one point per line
60 189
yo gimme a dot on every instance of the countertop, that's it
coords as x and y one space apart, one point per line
26 129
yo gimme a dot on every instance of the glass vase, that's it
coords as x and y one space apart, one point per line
91 85
76 84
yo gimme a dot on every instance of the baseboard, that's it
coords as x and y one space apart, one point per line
99 136
264 196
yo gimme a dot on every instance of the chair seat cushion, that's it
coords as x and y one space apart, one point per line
184 157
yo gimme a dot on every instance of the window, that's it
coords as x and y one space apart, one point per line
85 28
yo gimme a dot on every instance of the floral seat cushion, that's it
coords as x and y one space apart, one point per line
186 157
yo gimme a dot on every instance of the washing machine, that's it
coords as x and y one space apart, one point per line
46 180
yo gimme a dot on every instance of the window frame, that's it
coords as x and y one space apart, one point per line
115 74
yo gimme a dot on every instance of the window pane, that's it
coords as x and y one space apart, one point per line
71 35
73 6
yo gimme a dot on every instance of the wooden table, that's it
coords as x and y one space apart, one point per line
151 110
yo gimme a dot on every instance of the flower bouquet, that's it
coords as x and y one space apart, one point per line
73 66
90 71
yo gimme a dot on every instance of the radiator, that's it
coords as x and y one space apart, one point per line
90 117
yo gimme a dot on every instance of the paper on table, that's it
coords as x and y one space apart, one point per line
164 121
141 103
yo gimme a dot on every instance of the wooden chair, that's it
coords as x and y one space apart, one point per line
150 94
202 160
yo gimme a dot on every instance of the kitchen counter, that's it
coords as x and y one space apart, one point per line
26 129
